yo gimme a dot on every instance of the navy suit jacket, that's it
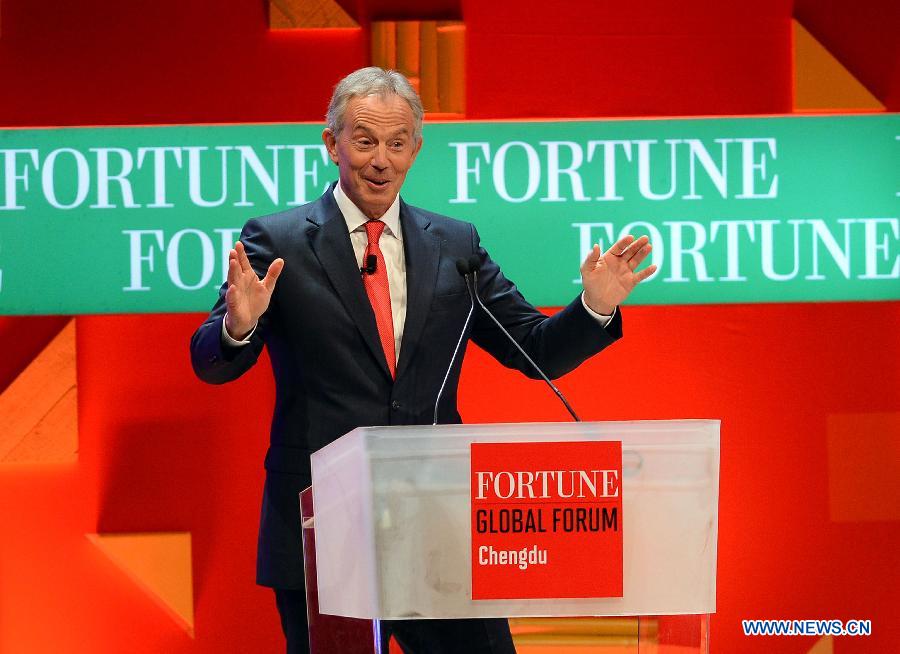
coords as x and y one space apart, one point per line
331 375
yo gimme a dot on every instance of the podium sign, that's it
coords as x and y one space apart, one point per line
546 520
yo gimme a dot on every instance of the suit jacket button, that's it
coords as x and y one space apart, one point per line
213 358
395 405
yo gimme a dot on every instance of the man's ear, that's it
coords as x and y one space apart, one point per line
418 147
330 142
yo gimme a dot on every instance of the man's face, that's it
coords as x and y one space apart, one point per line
374 150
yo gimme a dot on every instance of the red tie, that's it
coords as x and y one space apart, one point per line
380 294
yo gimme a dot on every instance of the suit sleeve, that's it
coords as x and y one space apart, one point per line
214 361
558 344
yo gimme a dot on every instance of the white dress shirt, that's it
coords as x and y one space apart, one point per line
391 244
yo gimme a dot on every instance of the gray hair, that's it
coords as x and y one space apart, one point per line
373 81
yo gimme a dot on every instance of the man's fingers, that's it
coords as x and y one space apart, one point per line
645 273
618 248
272 274
590 262
234 270
230 296
635 248
639 256
242 257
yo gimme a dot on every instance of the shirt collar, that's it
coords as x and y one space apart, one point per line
356 218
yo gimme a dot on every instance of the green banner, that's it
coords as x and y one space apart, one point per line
786 209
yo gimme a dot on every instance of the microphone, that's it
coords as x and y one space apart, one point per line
473 265
371 265
463 267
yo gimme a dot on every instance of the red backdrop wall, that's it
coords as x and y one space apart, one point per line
159 451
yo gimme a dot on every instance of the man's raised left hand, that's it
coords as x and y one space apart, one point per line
608 278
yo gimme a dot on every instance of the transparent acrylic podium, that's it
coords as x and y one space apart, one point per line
389 538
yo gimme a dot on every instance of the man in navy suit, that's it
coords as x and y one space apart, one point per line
359 301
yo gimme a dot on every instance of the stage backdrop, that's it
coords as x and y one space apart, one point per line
129 495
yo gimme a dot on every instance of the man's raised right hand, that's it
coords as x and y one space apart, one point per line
247 297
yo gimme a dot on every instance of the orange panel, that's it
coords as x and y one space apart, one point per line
428 65
158 563
821 82
384 43
451 41
864 466
824 645
308 14
39 410
408 47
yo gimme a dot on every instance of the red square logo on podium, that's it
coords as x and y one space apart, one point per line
546 520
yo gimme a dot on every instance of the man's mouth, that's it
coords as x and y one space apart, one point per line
377 183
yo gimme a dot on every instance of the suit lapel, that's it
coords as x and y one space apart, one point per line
423 251
331 244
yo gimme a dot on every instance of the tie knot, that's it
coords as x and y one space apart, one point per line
374 228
